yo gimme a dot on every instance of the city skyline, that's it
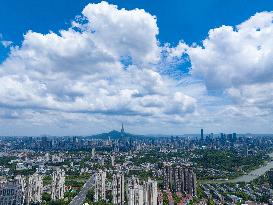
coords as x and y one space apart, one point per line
83 68
121 168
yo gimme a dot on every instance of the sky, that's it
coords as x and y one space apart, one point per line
172 67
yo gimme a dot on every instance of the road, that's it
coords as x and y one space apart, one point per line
79 199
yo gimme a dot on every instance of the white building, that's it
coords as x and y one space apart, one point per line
135 192
34 189
12 192
113 160
99 181
93 152
118 189
20 166
142 193
57 186
150 192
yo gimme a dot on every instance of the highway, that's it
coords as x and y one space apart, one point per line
79 199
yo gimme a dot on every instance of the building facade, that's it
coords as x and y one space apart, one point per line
135 192
34 189
12 191
150 192
144 193
99 181
57 186
118 189
179 179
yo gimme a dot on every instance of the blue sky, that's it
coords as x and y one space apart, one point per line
215 94
189 20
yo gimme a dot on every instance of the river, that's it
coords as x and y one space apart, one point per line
250 176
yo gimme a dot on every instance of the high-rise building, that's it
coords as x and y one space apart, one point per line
99 181
234 137
113 160
168 179
57 186
118 189
142 193
34 189
179 179
202 134
12 191
135 192
93 152
150 192
190 182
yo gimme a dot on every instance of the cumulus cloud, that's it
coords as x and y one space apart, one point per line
236 62
255 95
81 70
234 56
110 67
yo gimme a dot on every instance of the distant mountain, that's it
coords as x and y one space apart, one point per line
114 134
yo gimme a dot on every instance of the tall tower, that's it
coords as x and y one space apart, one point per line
202 134
122 129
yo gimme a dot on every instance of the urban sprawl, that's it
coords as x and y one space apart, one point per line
122 168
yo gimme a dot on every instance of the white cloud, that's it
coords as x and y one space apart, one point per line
255 95
236 62
236 56
6 44
80 70
109 67
123 32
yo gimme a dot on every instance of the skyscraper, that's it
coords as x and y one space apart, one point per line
202 134
118 189
93 152
150 192
168 179
144 193
135 192
113 160
57 186
179 179
99 181
34 189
